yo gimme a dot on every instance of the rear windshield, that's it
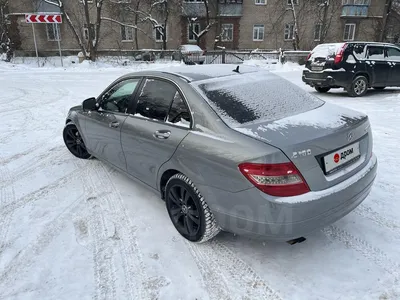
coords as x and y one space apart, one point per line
243 99
326 50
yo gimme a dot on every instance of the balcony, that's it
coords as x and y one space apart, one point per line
197 9
360 11
230 10
193 9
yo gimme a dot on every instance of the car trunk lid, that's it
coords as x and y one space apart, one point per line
328 144
323 56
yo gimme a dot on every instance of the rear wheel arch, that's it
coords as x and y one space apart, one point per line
365 74
164 179
68 121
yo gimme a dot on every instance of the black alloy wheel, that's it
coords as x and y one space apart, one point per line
74 142
184 211
188 210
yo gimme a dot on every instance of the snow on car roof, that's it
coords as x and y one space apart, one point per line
325 50
192 47
203 72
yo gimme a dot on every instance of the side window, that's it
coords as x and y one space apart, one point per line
359 51
376 52
118 97
179 113
155 99
393 54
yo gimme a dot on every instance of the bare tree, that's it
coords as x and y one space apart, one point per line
327 12
88 49
10 39
210 20
391 18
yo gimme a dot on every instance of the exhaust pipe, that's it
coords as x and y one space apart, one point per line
297 240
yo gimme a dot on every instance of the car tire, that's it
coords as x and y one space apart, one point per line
322 90
201 62
359 87
188 210
74 142
379 88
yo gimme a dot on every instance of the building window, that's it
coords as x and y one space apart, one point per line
86 31
295 2
193 31
127 33
260 2
349 31
356 2
258 32
231 1
317 32
227 32
53 32
323 2
289 31
158 33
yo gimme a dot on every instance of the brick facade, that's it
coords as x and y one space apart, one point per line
274 16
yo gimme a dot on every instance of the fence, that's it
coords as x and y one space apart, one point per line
210 56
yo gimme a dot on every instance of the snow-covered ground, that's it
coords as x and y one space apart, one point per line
73 229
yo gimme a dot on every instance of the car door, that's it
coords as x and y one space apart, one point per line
393 59
376 65
103 127
150 135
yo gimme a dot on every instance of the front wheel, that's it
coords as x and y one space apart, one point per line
358 87
188 210
322 89
74 142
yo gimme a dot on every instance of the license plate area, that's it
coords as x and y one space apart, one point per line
317 68
341 158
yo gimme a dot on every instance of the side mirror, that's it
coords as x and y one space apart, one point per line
89 104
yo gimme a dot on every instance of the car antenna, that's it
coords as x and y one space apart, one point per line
236 70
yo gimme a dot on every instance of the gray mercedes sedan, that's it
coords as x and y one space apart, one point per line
230 148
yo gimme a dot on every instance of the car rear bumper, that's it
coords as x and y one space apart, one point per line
254 213
195 58
334 78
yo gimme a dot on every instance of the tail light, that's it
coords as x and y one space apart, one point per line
339 55
281 180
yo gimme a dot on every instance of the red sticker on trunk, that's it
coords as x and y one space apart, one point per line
336 158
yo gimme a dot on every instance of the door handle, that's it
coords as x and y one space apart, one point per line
114 124
162 134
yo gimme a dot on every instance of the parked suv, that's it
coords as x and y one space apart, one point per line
354 66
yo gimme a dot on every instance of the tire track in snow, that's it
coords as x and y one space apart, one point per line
36 195
367 250
55 155
7 196
137 283
215 283
377 218
216 260
102 245
26 257
25 118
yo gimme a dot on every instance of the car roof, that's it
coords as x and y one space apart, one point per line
198 72
371 43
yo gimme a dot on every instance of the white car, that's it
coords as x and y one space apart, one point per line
190 54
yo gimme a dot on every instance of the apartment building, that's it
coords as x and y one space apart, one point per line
233 24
